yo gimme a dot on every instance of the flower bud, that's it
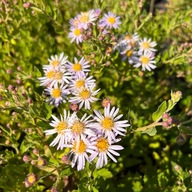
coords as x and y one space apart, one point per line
41 162
65 159
36 151
165 116
176 96
30 180
53 189
74 107
26 158
106 102
181 139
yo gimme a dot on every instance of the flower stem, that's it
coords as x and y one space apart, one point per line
148 126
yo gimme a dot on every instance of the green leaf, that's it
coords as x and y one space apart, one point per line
161 109
186 129
105 173
151 132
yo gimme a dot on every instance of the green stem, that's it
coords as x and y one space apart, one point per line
186 122
148 126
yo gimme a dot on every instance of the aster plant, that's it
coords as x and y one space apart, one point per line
85 86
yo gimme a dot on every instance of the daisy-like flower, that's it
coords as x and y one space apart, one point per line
126 42
76 35
49 75
86 18
81 128
84 96
80 152
58 94
81 80
58 61
104 149
78 67
109 124
146 61
110 21
146 45
74 22
130 54
61 127
54 76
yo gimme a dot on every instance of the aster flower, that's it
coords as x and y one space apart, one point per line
49 76
62 128
146 61
104 149
79 153
58 94
109 123
53 76
58 61
130 54
84 96
76 34
86 18
110 21
126 42
78 67
81 80
81 128
146 45
74 22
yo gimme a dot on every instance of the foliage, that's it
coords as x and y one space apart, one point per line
157 103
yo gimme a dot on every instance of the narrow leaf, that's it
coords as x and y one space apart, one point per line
161 109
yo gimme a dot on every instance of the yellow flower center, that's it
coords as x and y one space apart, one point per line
58 75
40 162
111 20
102 145
84 18
80 83
31 179
85 94
55 63
56 92
61 126
78 127
129 53
145 45
144 60
77 67
77 32
128 37
107 123
82 147
50 74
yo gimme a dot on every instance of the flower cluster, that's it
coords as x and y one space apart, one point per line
88 136
67 81
138 51
81 26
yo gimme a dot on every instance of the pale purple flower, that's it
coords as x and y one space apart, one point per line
110 21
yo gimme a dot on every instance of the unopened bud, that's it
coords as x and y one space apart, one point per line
181 139
176 96
8 71
26 158
65 159
74 107
53 189
36 151
106 102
